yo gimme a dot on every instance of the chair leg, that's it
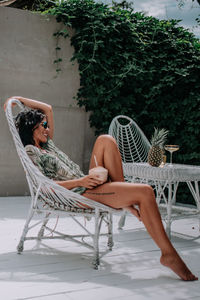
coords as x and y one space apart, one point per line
110 232
96 260
20 246
121 222
41 231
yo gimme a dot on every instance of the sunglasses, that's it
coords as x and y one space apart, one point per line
44 124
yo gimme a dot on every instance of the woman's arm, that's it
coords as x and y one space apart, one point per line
88 181
44 107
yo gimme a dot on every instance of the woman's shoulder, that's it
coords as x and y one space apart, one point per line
31 149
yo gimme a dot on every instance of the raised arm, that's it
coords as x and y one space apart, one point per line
44 107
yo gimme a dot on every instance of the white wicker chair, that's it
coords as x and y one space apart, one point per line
132 143
49 199
133 146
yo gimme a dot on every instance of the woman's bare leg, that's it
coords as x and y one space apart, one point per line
121 195
107 154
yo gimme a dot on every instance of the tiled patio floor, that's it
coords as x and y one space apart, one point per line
61 270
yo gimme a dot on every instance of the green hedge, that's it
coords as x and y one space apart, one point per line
139 66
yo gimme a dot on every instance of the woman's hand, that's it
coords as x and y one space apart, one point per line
34 104
90 181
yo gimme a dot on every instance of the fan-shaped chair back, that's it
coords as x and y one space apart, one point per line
133 144
40 186
33 175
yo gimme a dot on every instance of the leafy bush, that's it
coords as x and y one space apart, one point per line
136 65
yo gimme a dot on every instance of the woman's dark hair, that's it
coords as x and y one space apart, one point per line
25 122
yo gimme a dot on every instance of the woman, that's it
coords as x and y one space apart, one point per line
36 128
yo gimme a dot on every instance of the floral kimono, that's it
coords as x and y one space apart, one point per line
55 164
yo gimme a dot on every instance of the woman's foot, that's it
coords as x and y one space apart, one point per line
176 264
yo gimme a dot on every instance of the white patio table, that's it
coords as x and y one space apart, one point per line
168 178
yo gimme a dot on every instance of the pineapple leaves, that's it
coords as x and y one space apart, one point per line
159 137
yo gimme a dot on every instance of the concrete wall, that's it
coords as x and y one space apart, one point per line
27 52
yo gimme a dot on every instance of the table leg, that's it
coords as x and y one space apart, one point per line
169 210
194 189
175 185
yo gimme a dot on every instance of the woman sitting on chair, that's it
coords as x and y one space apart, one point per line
36 128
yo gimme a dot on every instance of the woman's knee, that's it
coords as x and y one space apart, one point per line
150 192
147 193
106 139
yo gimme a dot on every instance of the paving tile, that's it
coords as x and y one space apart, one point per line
61 270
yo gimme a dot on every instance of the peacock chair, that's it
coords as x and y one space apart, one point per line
133 146
49 199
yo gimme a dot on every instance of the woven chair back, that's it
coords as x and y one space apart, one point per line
132 142
41 187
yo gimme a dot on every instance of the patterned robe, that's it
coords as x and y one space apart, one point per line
55 164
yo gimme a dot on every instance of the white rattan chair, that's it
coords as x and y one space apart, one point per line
133 146
132 143
49 199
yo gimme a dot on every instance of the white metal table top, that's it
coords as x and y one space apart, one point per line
176 172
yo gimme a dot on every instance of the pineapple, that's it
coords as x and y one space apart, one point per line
156 152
